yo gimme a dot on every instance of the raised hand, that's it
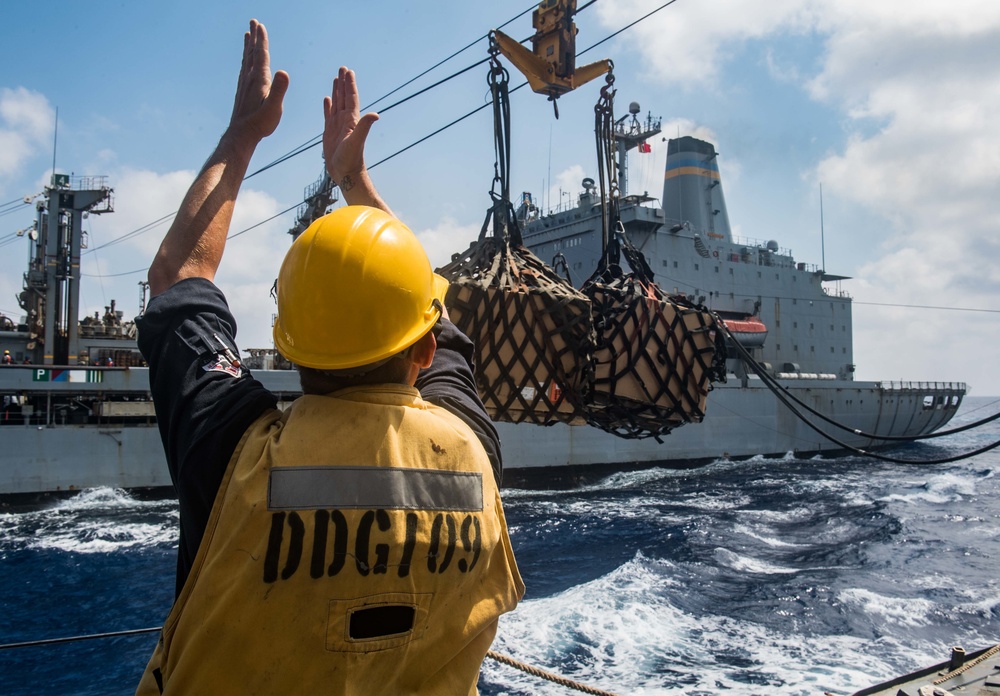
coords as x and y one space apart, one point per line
257 107
344 132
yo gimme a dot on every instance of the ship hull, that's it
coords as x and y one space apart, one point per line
742 421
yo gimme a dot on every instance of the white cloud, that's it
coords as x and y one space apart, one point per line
249 265
26 124
446 238
918 86
688 43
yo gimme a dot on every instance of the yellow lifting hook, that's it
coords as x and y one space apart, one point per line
551 64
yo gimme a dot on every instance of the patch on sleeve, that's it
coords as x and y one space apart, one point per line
221 362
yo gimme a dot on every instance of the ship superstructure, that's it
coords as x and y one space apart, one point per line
691 249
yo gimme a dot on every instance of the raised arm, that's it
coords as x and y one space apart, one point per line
193 246
344 134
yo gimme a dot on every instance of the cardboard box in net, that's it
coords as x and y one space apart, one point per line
651 353
533 350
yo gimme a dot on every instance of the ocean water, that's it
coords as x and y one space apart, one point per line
767 576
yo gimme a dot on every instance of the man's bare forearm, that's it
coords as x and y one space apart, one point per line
194 244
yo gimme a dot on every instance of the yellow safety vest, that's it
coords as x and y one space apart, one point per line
357 546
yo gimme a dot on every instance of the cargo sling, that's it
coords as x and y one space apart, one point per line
532 329
655 357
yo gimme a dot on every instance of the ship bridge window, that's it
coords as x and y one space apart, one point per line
696 267
730 271
716 269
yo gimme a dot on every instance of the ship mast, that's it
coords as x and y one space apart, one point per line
631 133
317 199
51 295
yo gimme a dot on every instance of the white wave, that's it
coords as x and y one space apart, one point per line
98 498
897 611
764 539
99 520
623 633
943 488
104 538
748 564
796 514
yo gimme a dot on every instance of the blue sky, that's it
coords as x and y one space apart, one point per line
893 106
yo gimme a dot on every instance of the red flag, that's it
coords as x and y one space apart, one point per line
644 147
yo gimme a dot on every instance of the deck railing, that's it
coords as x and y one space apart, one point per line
925 386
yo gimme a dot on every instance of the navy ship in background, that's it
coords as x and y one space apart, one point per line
798 329
77 411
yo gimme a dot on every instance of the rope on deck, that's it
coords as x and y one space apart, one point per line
542 674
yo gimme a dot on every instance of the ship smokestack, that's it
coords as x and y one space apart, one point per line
692 188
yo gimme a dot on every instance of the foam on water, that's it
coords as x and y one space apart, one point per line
623 633
95 521
772 541
748 564
897 611
943 488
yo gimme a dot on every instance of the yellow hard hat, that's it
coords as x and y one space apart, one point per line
355 289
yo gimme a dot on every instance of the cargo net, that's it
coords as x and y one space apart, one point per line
655 357
532 330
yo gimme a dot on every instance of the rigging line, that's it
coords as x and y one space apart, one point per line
909 306
276 215
832 298
627 26
442 128
398 152
312 142
90 229
772 384
12 208
10 211
134 233
442 62
304 147
384 159
16 200
114 275
73 639
319 138
874 455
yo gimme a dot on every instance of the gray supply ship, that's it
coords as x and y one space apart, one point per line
79 415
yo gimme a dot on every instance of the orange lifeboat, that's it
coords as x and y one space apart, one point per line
750 331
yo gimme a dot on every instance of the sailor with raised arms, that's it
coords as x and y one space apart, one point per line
354 543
